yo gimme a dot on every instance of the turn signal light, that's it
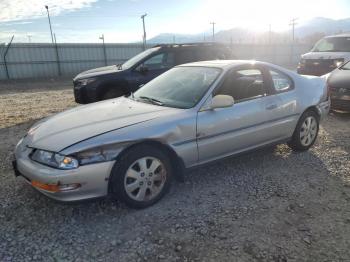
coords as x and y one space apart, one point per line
55 187
47 187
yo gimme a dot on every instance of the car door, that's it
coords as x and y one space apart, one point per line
151 68
225 131
281 105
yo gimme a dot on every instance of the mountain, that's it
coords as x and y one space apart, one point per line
179 38
323 25
316 27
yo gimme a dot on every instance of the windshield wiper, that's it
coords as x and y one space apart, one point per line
152 100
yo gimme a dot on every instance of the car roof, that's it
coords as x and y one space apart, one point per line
191 45
222 63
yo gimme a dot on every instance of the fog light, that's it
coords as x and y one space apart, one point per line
68 187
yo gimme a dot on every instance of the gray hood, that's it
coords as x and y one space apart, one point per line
83 122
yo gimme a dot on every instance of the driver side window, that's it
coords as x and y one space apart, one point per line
243 85
159 61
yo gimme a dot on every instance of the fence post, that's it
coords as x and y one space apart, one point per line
104 52
57 57
5 54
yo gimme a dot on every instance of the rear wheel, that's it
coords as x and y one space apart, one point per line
306 131
142 176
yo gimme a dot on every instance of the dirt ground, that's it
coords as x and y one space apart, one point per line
270 205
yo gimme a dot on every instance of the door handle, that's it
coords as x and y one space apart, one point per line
271 107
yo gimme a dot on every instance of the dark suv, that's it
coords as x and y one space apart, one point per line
117 80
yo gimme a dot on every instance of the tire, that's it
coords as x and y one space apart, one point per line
135 182
112 93
305 134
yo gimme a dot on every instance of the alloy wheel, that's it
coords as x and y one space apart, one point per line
308 131
145 179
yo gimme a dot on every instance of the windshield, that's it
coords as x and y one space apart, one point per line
333 44
134 60
180 87
346 66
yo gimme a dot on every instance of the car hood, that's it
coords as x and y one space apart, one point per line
326 55
70 127
97 72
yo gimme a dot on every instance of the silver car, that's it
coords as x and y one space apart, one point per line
132 147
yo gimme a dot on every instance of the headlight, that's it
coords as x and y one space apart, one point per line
54 159
99 154
338 62
84 82
301 62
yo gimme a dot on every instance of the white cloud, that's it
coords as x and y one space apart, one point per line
12 10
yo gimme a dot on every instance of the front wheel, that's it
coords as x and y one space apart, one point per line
142 176
306 132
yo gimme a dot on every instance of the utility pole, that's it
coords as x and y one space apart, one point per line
48 16
270 34
293 23
102 37
174 41
29 38
144 31
213 24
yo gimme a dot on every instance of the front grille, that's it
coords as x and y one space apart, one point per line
317 67
340 90
340 104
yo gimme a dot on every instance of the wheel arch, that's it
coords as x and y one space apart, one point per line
105 86
175 160
314 109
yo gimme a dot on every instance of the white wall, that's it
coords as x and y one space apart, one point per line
40 60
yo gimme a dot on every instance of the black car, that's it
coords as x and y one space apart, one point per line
117 80
339 87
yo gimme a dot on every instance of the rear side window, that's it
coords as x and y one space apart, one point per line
186 56
243 85
280 81
210 54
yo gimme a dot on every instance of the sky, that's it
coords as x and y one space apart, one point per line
119 20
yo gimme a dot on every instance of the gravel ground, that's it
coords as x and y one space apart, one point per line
270 205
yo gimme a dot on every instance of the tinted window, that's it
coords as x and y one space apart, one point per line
243 85
181 87
280 81
134 60
160 61
210 54
186 56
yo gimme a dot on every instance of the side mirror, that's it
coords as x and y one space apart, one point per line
221 101
143 69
